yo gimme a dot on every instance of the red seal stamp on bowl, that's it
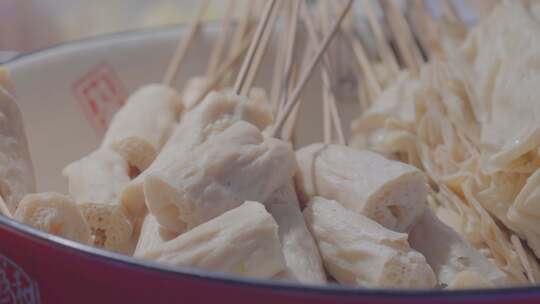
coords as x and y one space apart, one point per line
100 94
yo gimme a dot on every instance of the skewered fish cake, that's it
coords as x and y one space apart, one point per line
231 167
141 127
358 251
216 112
389 192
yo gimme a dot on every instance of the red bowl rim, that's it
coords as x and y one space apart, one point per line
193 273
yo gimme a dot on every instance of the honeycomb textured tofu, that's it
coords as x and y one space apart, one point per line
358 251
389 192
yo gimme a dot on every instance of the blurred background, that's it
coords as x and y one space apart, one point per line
27 25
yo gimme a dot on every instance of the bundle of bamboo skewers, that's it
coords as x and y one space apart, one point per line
406 202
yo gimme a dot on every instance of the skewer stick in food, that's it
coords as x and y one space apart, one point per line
218 76
402 34
261 50
184 44
385 51
330 106
221 40
240 80
365 66
449 10
307 74
425 28
289 54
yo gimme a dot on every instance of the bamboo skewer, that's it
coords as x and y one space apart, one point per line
184 44
219 45
516 242
450 11
223 69
330 112
402 34
307 74
289 54
365 66
241 29
253 47
279 71
288 129
387 54
261 50
425 28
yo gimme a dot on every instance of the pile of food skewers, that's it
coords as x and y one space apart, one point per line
435 189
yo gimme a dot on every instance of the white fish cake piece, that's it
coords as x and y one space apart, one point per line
95 182
301 253
358 251
450 254
215 113
55 214
242 241
141 127
234 166
389 192
152 235
16 170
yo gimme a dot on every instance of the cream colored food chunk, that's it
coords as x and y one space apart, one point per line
215 113
141 127
242 241
95 182
233 166
389 192
302 256
16 169
469 280
98 177
152 235
449 254
358 251
55 214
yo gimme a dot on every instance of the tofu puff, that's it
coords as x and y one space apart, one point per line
231 167
216 112
142 126
95 182
16 169
301 254
242 241
389 192
55 214
358 251
450 254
